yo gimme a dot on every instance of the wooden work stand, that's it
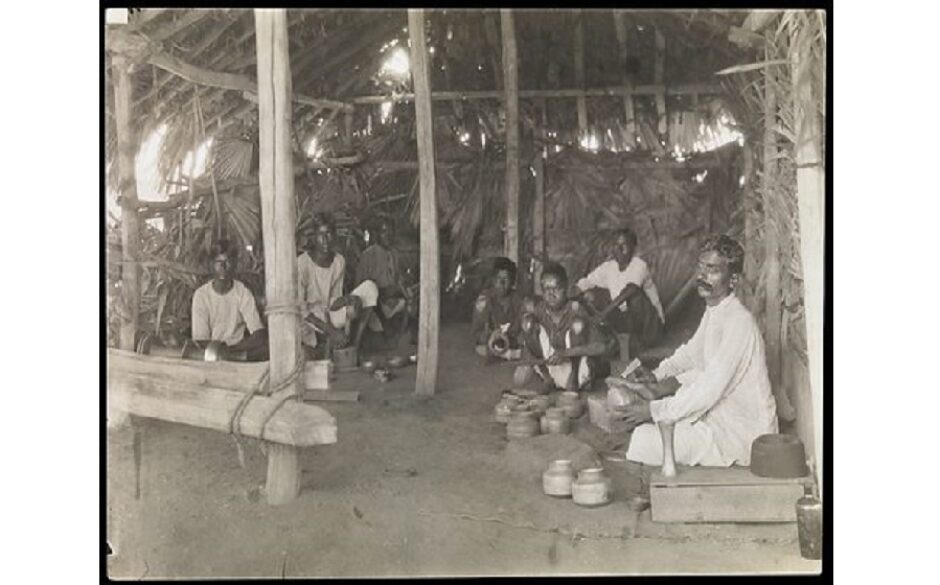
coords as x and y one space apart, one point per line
719 494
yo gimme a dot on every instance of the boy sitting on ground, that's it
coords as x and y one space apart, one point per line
497 314
557 331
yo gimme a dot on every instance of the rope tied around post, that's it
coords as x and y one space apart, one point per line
265 388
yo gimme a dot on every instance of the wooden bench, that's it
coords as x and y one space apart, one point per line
719 494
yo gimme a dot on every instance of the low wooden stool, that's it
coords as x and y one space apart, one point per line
723 494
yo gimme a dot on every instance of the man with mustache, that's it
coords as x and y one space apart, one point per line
715 387
621 293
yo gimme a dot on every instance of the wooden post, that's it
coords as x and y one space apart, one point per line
511 84
620 27
429 307
130 220
658 75
749 293
538 209
579 73
278 218
811 190
773 308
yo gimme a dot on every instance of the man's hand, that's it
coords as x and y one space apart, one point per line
637 413
557 358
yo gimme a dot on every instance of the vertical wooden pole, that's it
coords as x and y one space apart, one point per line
579 73
811 190
659 67
429 307
773 307
538 209
130 220
620 26
748 292
511 85
278 218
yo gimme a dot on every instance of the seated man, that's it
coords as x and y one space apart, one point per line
497 314
626 298
224 308
380 264
714 388
327 314
558 330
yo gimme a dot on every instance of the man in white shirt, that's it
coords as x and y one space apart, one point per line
622 294
223 309
328 314
714 388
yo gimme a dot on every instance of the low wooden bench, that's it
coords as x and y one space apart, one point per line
720 494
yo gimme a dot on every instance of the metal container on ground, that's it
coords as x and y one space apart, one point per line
557 479
522 424
592 488
809 526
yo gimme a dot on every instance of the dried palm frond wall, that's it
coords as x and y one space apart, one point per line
771 205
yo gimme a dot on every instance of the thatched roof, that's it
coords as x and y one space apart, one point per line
335 55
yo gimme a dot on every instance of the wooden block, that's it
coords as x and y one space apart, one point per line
718 494
317 375
293 423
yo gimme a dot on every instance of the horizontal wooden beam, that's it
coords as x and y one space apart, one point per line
687 89
238 376
289 423
697 162
140 49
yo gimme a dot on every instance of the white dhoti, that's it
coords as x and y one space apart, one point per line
562 372
693 444
367 292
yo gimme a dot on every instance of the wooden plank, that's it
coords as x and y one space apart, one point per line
579 73
278 220
698 475
240 376
731 503
294 423
429 304
662 124
615 91
511 85
811 193
130 221
331 396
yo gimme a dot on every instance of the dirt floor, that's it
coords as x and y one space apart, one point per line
414 486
